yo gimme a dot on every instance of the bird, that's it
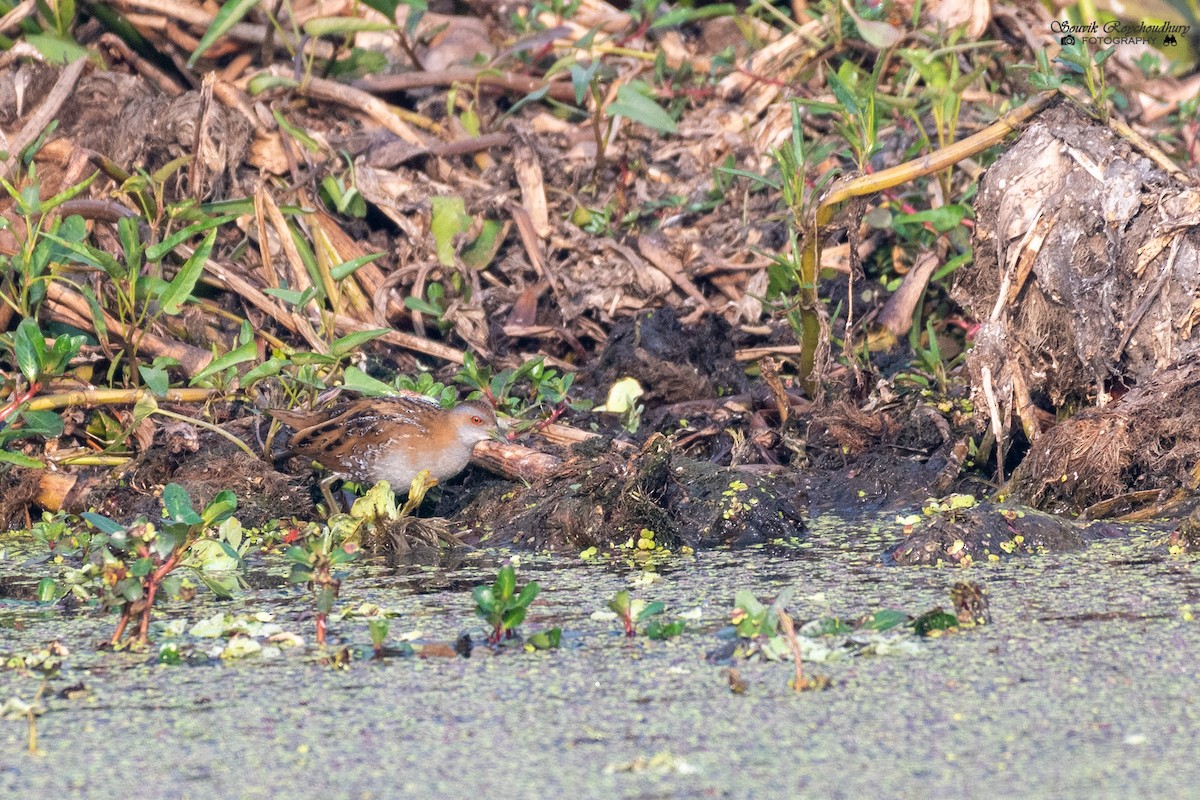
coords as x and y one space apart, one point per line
371 439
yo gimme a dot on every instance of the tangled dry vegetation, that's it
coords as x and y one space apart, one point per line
242 212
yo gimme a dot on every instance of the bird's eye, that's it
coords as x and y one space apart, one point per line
477 420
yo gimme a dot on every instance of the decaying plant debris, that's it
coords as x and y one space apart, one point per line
1087 274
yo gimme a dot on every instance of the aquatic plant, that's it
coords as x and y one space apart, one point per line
501 607
632 611
139 558
314 562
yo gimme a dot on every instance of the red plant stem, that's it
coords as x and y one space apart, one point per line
116 638
639 31
18 399
155 579
321 629
760 78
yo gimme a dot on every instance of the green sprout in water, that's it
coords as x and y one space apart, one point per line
501 607
314 562
632 611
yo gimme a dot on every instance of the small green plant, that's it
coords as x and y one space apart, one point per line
632 611
793 274
751 618
501 607
340 194
139 558
934 622
315 562
547 392
1081 67
219 561
36 363
378 628
544 640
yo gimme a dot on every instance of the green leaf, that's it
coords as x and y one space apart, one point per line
222 587
449 220
582 77
358 381
291 296
170 538
41 423
532 97
340 26
385 7
65 348
325 599
377 629
179 505
300 574
484 598
156 379
479 253
935 620
20 460
230 14
239 355
93 257
886 619
129 589
220 508
103 523
413 303
351 342
56 49
682 16
664 630
620 603
528 593
827 626
141 568
30 348
843 94
546 640
341 555
951 265
942 219
634 105
506 583
348 268
267 369
180 288
651 610
73 228
416 11
156 252
513 618
265 82
131 241
47 588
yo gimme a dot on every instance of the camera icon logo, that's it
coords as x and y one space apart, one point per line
1067 40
